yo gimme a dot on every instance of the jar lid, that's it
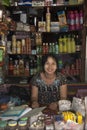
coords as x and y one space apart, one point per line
24 119
3 124
12 123
22 123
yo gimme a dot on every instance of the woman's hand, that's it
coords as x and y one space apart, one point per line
35 104
53 106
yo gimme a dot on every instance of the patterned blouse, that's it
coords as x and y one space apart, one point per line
48 93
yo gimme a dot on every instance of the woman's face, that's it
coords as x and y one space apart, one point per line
50 66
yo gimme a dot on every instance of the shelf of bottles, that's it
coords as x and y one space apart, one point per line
54 28
25 54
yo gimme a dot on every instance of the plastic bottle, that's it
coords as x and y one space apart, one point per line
21 67
14 44
77 20
68 44
19 47
48 20
43 48
64 44
53 47
81 18
23 46
73 46
28 45
46 48
78 45
50 48
60 45
9 47
72 20
56 48
39 39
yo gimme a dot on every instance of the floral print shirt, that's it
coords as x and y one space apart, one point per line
48 93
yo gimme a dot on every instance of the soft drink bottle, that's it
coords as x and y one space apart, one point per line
77 20
81 18
72 20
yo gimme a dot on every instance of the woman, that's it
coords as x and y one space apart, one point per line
48 86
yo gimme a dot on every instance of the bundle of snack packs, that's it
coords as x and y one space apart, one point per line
70 116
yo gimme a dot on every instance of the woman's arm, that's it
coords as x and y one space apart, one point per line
63 91
34 97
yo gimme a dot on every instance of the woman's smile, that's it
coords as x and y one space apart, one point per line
50 65
50 70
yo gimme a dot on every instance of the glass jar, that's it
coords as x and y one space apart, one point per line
22 125
12 125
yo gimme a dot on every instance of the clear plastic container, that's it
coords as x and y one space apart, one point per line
3 125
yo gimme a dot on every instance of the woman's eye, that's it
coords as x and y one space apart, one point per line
53 63
50 64
47 63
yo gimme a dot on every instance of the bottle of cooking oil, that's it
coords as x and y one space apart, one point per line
21 67
73 46
60 45
19 46
69 49
65 44
48 19
14 44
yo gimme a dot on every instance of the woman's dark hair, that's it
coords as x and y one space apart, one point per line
46 56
